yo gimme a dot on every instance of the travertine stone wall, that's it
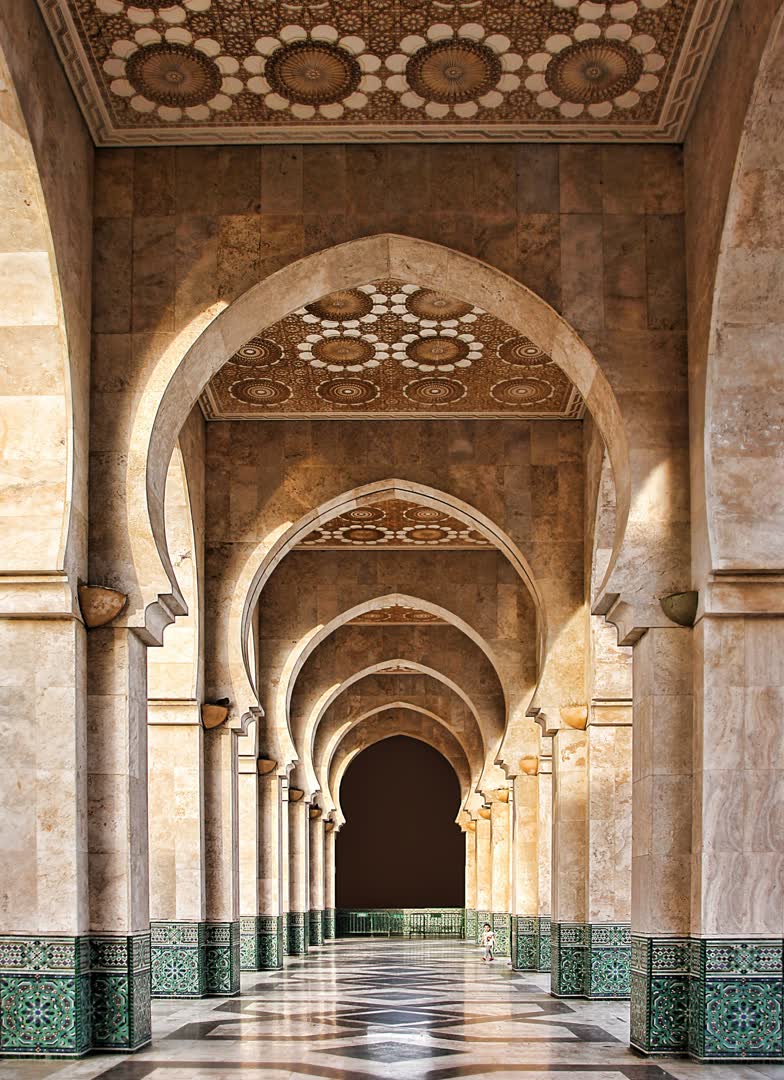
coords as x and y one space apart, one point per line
711 152
569 840
609 816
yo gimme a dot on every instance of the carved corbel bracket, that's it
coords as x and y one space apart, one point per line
295 794
265 766
100 605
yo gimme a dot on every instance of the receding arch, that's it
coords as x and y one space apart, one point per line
402 723
742 460
334 692
204 346
470 796
388 600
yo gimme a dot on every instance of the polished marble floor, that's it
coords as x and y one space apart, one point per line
388 1010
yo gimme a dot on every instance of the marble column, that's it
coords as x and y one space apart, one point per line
500 898
484 870
44 913
316 877
221 826
525 866
470 880
570 798
544 921
299 892
119 872
178 891
249 818
661 840
267 932
737 882
608 877
330 837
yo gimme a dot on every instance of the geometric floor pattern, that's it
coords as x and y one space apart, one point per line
388 1010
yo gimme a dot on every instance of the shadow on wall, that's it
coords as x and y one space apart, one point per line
400 846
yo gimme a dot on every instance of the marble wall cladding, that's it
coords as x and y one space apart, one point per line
176 820
738 793
710 156
46 243
221 825
470 868
501 856
271 820
44 830
545 833
526 839
609 821
569 835
249 822
484 868
299 889
662 783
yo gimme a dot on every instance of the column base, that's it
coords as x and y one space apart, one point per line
45 997
178 960
502 927
297 938
262 942
568 959
525 941
120 990
222 954
328 924
470 924
315 927
608 960
660 995
544 943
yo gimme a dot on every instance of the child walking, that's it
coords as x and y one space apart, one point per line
488 942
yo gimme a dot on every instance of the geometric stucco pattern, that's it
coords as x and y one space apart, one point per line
151 71
397 615
394 349
394 523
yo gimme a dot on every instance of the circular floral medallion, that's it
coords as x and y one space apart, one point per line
313 73
348 391
260 391
426 534
173 75
343 352
420 617
424 514
363 534
521 352
521 391
427 304
437 350
376 616
258 352
593 71
454 71
434 391
341 306
363 513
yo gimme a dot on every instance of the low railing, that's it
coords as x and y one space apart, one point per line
401 922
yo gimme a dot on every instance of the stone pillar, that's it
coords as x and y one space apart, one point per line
316 877
222 933
500 899
178 894
249 818
570 797
297 942
525 865
470 881
44 916
264 937
330 837
484 871
608 881
661 839
545 861
737 884
119 871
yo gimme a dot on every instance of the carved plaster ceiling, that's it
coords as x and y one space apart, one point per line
397 615
394 349
177 71
394 523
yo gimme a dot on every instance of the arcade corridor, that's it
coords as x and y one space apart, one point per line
412 1010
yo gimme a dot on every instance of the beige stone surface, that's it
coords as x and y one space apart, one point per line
569 846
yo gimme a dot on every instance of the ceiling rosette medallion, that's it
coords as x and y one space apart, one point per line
146 11
313 72
394 523
172 74
452 71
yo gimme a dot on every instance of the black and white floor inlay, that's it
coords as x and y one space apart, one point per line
388 1010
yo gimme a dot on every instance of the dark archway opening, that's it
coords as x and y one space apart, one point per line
400 846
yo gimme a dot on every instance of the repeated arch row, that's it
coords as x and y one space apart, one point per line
405 719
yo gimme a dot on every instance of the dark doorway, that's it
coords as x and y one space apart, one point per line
400 846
